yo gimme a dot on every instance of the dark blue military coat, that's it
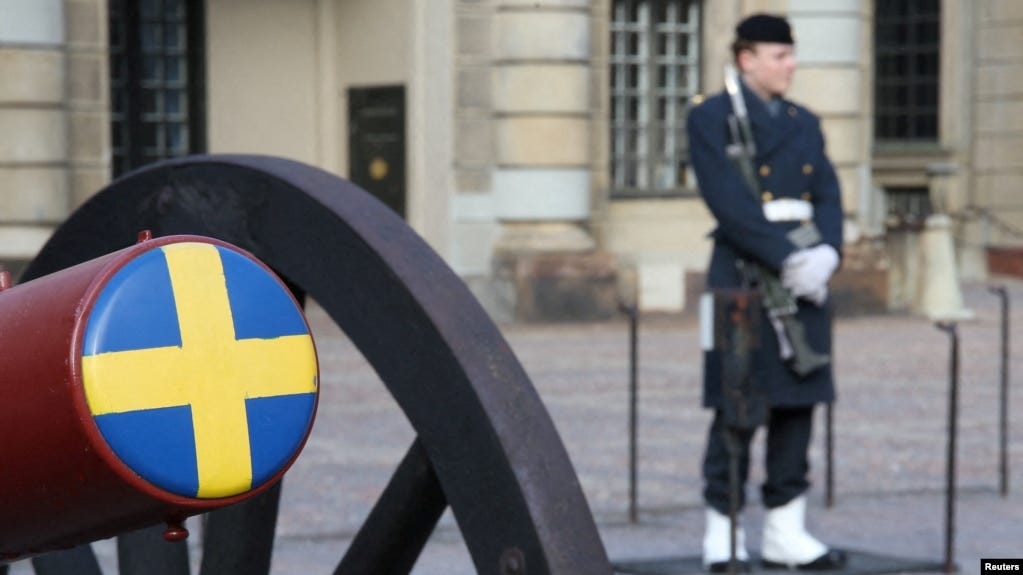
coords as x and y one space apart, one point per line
790 163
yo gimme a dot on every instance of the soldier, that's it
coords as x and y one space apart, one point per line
796 184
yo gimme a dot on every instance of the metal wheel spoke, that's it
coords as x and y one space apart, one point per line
76 561
145 552
239 539
393 536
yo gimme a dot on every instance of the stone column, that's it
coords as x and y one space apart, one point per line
430 89
88 98
834 80
33 126
542 111
998 130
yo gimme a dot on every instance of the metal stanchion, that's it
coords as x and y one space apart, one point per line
950 469
633 315
1003 431
829 454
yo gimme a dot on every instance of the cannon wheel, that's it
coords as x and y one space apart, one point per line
485 444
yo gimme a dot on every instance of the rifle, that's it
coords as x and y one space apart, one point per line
777 300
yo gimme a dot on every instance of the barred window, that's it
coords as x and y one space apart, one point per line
655 71
907 207
907 59
155 81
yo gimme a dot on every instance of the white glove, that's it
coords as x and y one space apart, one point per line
818 297
806 272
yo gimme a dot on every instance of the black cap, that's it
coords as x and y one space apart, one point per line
764 28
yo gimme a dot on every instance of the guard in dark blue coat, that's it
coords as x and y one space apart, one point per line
796 185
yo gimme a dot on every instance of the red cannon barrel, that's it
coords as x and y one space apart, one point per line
170 378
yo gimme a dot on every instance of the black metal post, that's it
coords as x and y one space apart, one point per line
830 437
950 469
1003 424
829 454
733 441
633 315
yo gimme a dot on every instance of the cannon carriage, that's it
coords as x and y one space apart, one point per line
485 445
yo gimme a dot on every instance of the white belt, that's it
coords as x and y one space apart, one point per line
788 210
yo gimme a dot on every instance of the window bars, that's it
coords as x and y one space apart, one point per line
154 78
655 72
906 67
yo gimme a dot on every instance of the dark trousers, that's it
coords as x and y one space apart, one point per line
787 464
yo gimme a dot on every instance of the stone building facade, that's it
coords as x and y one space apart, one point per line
534 144
54 124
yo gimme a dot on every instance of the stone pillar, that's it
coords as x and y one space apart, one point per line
33 126
430 89
474 224
998 129
833 82
88 98
542 121
833 44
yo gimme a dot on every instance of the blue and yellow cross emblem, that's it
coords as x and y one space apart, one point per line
199 370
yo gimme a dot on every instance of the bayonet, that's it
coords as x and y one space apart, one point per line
734 88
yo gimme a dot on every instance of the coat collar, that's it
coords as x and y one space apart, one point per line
770 131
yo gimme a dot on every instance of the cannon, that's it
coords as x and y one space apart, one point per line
166 379
485 445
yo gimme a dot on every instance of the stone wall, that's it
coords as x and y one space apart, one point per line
998 121
54 117
33 125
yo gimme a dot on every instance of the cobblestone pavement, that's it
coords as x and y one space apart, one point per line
890 441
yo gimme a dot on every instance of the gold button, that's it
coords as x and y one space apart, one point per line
792 111
766 196
807 169
765 170
806 196
378 169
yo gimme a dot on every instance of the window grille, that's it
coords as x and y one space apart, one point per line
655 72
908 207
906 67
155 81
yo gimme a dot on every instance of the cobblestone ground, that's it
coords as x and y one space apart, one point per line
889 459
890 441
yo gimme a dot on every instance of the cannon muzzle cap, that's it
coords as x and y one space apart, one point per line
199 370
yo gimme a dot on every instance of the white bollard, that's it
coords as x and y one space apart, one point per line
939 295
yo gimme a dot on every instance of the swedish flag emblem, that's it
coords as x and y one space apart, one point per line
199 370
